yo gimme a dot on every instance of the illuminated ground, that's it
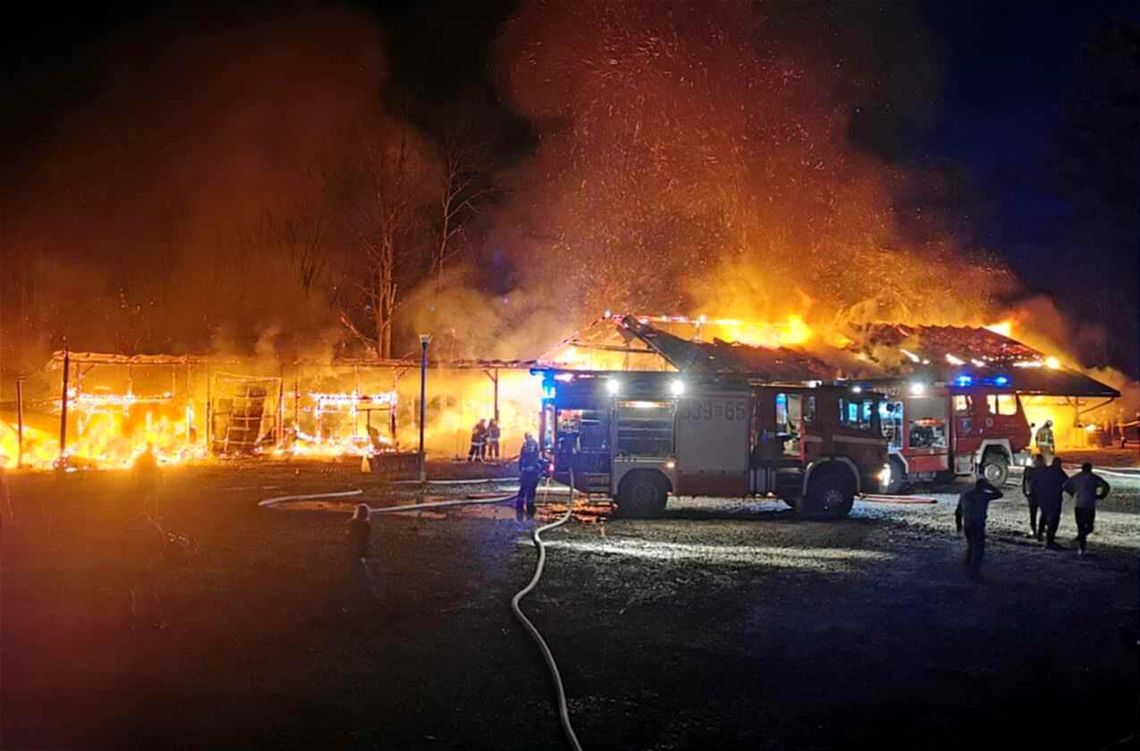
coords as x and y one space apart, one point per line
722 626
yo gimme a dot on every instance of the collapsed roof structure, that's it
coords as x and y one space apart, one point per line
876 351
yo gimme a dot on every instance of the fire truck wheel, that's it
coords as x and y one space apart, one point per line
830 496
995 468
642 495
898 484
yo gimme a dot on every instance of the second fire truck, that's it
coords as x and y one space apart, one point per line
965 427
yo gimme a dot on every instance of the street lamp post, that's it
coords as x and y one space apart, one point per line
425 339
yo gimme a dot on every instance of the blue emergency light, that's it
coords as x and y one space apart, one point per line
964 380
1001 380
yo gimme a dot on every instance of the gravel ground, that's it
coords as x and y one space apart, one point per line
724 625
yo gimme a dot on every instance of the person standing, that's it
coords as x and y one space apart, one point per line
970 518
1045 443
478 435
530 469
1087 489
359 535
1027 491
493 434
1047 486
359 532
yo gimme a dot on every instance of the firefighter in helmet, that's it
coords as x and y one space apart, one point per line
478 436
530 470
1045 443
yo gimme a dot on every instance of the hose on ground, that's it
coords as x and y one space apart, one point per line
556 676
271 502
536 536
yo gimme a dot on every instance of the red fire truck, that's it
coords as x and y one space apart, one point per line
938 431
639 436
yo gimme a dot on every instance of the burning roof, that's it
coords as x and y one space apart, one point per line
957 355
953 345
719 356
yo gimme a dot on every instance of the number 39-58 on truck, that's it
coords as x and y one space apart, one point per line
638 437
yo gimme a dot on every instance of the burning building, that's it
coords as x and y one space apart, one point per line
106 408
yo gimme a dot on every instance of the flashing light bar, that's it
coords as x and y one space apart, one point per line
965 380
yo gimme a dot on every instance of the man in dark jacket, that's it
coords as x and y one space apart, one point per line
1087 489
970 517
1047 486
1027 491
530 469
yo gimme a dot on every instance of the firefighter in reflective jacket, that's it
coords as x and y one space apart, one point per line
530 469
1044 440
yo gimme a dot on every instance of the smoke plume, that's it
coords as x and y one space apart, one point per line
699 158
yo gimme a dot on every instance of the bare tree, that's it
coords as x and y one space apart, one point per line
303 237
388 186
463 190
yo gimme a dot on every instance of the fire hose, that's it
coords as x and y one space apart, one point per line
536 536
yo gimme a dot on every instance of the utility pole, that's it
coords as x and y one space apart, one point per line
425 339
20 423
63 412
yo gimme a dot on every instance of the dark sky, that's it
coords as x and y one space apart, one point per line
1005 72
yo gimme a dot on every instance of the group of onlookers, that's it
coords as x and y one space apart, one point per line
1044 486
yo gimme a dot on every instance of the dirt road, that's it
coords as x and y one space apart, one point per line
724 625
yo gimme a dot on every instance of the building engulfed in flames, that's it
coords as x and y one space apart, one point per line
102 410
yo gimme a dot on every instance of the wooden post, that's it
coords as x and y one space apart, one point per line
209 410
494 376
280 405
297 399
19 423
63 411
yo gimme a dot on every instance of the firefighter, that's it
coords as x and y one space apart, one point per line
1027 491
1047 486
478 435
1045 443
1086 488
530 469
493 433
970 517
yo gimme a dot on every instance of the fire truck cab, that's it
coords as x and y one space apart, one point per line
945 430
637 437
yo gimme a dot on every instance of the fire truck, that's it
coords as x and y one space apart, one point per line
942 430
638 437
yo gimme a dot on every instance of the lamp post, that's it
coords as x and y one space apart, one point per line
425 339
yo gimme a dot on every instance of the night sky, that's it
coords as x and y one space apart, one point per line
1007 80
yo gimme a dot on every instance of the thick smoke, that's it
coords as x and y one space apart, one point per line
145 222
699 158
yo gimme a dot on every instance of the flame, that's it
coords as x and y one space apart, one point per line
108 431
1005 328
